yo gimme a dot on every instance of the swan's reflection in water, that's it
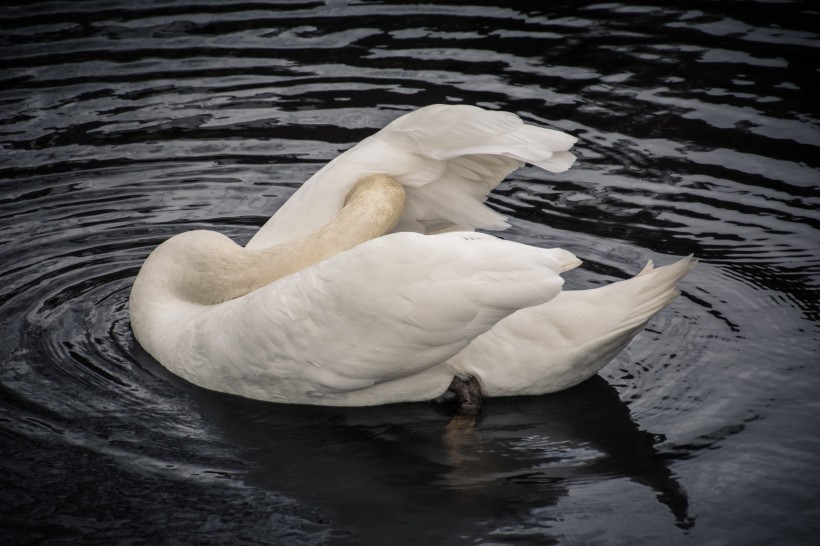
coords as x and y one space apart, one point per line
444 477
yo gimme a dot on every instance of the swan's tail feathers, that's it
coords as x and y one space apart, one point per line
648 268
592 326
652 290
568 339
605 319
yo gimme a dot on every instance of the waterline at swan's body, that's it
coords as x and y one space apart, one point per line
368 287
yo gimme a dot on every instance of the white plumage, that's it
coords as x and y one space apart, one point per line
385 295
447 158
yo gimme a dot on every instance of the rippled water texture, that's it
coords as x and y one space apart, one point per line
123 123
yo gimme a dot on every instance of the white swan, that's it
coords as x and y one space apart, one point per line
369 287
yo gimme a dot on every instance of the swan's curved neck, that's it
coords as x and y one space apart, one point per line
204 267
371 208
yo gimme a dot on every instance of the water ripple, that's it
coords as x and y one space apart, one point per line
122 125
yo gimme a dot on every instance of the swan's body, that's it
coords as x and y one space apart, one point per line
367 288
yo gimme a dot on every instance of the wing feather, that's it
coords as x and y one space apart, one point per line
448 157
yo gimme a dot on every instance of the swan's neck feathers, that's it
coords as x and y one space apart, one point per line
205 267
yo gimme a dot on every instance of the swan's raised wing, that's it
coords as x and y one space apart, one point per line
448 158
379 314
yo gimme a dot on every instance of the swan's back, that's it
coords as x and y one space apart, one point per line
345 330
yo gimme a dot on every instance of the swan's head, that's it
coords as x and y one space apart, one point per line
178 277
200 267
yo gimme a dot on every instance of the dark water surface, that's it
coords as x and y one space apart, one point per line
123 123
